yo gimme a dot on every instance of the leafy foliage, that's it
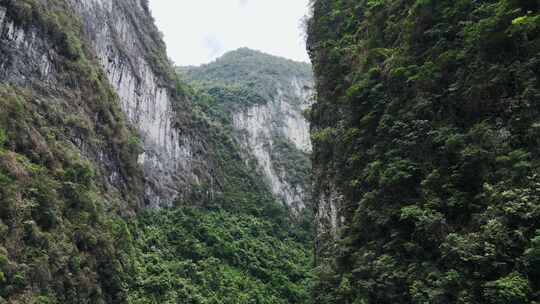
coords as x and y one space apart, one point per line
194 256
252 71
234 185
57 242
69 231
427 124
58 211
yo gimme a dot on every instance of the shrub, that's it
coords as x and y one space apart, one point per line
3 138
532 256
513 289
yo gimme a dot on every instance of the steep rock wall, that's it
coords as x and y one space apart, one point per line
264 99
146 94
132 55
32 61
259 126
24 53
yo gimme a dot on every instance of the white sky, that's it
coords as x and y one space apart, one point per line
198 31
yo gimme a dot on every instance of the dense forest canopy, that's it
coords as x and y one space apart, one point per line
246 75
428 126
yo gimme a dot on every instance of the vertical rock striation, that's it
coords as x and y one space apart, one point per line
266 97
258 127
129 48
122 34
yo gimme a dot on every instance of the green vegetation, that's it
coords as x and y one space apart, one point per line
99 116
245 77
57 242
237 188
64 247
428 111
194 256
238 80
58 213
242 246
70 233
154 48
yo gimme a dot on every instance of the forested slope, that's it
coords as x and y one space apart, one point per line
240 245
59 211
260 99
115 186
426 151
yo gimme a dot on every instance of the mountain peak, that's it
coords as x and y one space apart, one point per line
245 52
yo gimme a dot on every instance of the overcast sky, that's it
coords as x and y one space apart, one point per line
198 31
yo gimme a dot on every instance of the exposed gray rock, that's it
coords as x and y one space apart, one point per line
117 37
259 125
173 157
24 55
145 97
328 219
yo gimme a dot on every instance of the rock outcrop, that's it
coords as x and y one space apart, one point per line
270 125
122 36
118 32
259 126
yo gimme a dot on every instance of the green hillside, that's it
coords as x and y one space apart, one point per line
73 224
427 122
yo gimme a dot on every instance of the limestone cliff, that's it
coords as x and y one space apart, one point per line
122 37
132 55
269 123
96 127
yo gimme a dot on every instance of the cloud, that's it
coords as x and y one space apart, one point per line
213 45
196 34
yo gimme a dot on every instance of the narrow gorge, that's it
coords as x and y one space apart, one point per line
400 166
126 180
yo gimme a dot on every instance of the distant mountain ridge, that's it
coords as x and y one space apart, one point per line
265 97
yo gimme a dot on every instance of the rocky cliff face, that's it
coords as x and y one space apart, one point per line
26 55
118 32
260 126
122 38
127 45
269 125
284 114
94 127
44 60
